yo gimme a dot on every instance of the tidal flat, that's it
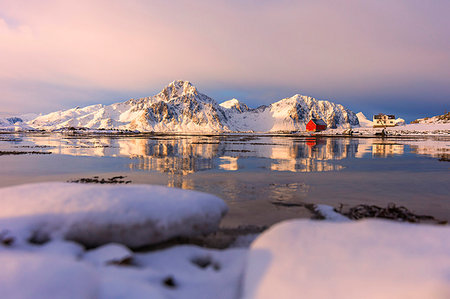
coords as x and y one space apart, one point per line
263 179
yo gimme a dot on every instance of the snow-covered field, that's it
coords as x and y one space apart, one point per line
47 230
406 130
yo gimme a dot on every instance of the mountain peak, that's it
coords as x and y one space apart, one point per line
234 104
230 103
179 88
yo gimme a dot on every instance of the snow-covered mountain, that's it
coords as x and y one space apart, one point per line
438 119
180 107
290 114
363 121
9 122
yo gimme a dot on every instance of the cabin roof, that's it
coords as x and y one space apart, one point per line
381 116
318 121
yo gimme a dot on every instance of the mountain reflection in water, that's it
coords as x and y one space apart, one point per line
189 154
183 155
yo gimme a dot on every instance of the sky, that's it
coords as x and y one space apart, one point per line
371 56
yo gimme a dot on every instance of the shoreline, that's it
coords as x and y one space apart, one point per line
367 132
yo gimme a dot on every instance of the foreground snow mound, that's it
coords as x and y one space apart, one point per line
364 259
182 272
194 272
26 275
109 254
93 215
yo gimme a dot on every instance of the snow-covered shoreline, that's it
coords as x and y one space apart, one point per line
293 257
409 131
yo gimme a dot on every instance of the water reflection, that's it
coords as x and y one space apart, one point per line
229 163
387 149
436 148
187 154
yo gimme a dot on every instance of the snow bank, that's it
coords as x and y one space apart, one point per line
93 215
109 254
364 259
196 272
26 275
329 213
438 129
181 272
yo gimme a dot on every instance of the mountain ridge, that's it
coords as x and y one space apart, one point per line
180 107
438 119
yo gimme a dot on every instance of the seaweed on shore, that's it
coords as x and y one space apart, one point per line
5 153
96 180
444 158
286 204
392 212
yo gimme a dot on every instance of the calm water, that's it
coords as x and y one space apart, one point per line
250 172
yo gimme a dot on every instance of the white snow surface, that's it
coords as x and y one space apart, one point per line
133 215
197 272
41 276
418 129
329 213
193 272
363 120
234 104
112 253
180 107
363 259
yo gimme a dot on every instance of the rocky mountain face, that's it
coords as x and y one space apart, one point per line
438 119
180 107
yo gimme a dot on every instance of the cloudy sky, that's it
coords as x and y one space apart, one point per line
371 56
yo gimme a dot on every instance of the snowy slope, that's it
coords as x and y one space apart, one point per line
438 119
16 123
180 107
363 121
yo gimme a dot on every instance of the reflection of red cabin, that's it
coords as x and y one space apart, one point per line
311 142
316 125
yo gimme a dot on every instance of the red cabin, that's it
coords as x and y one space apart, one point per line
316 125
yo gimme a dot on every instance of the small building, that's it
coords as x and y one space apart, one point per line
316 125
383 120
